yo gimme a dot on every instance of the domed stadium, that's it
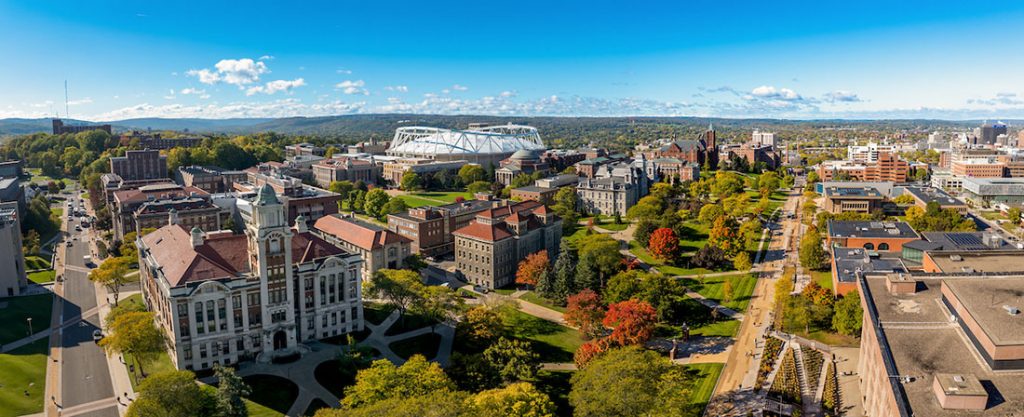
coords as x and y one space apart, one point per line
483 145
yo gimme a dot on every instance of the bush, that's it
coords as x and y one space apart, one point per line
772 348
787 382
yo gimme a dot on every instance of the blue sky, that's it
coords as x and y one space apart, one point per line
872 59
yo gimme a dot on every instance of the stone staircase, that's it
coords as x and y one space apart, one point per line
807 391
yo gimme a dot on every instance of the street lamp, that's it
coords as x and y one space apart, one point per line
29 325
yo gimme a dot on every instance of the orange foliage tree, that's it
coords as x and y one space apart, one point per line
589 351
585 312
664 244
632 321
723 235
531 268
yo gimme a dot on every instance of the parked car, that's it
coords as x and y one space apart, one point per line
97 335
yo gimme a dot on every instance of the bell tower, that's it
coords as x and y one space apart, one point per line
270 254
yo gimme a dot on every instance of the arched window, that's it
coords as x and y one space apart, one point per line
869 246
883 246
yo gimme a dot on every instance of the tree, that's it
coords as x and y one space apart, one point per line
783 289
472 173
134 333
709 213
904 199
623 286
479 187
727 291
383 380
644 229
393 206
708 257
632 322
520 399
437 303
411 181
231 390
31 244
664 244
513 360
661 292
726 184
480 326
172 394
546 284
631 382
742 261
603 250
812 255
565 273
849 315
399 287
723 235
1013 214
111 274
375 201
532 268
589 351
768 183
342 188
585 312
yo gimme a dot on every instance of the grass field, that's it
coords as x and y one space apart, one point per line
713 289
18 309
445 196
42 277
552 341
823 278
412 201
722 327
707 376
272 392
160 363
646 257
23 370
541 301
36 262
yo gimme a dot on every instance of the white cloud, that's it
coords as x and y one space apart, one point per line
770 92
170 95
45 104
458 87
397 88
267 58
841 96
238 72
278 108
352 87
508 93
445 91
190 90
343 71
276 86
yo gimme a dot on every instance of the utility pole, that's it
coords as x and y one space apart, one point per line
67 115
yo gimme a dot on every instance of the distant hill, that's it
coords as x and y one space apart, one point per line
556 131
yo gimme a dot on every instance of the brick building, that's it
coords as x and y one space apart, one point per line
488 250
379 248
345 169
430 228
144 165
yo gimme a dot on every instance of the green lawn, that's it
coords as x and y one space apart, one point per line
272 392
36 262
16 312
23 370
424 344
541 301
377 313
713 289
552 341
574 238
722 328
445 196
707 376
42 277
255 410
646 257
160 363
412 201
505 291
823 278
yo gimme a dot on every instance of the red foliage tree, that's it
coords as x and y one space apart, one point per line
585 312
589 351
460 199
531 268
664 244
632 321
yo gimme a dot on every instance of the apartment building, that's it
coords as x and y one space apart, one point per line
223 298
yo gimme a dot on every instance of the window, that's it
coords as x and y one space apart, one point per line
202 351
240 344
187 352
883 246
869 246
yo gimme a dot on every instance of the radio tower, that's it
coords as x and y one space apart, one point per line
67 115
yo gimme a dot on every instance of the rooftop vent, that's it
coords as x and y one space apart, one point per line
967 270
956 258
1011 310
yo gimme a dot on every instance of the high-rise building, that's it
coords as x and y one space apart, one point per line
763 138
140 165
990 132
12 261
59 128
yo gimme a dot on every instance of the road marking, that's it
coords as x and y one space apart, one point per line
90 407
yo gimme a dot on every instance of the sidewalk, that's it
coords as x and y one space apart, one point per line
119 377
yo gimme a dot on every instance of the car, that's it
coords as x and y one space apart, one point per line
480 289
78 228
71 243
97 335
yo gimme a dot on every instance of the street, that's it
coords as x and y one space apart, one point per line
85 377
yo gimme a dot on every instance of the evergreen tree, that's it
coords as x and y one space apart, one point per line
546 284
588 273
230 392
565 273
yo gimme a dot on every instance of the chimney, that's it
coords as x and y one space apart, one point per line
197 237
172 217
300 224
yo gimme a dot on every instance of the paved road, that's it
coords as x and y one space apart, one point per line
85 377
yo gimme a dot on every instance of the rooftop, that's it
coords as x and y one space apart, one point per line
364 235
867 192
986 301
928 195
851 262
870 229
978 262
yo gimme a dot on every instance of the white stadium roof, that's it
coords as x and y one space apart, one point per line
500 139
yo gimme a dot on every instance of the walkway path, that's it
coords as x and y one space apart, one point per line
712 304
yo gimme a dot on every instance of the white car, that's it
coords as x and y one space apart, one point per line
97 335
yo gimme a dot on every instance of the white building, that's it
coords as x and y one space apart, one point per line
868 153
224 298
12 261
763 138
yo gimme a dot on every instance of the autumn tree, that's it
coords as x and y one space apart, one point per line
723 235
585 312
111 274
631 382
172 394
383 380
532 268
134 333
520 399
512 360
664 244
632 322
709 213
589 351
742 261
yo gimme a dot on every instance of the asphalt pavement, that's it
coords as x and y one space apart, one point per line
85 377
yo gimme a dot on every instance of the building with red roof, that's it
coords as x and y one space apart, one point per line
222 298
489 248
378 247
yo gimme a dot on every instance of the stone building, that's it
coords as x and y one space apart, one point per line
488 250
13 277
153 203
430 228
615 188
345 169
379 248
222 298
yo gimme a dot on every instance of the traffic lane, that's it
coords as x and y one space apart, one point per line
85 376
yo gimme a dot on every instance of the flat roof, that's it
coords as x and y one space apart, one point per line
924 345
994 261
866 192
928 195
850 262
966 241
533 189
871 229
985 300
